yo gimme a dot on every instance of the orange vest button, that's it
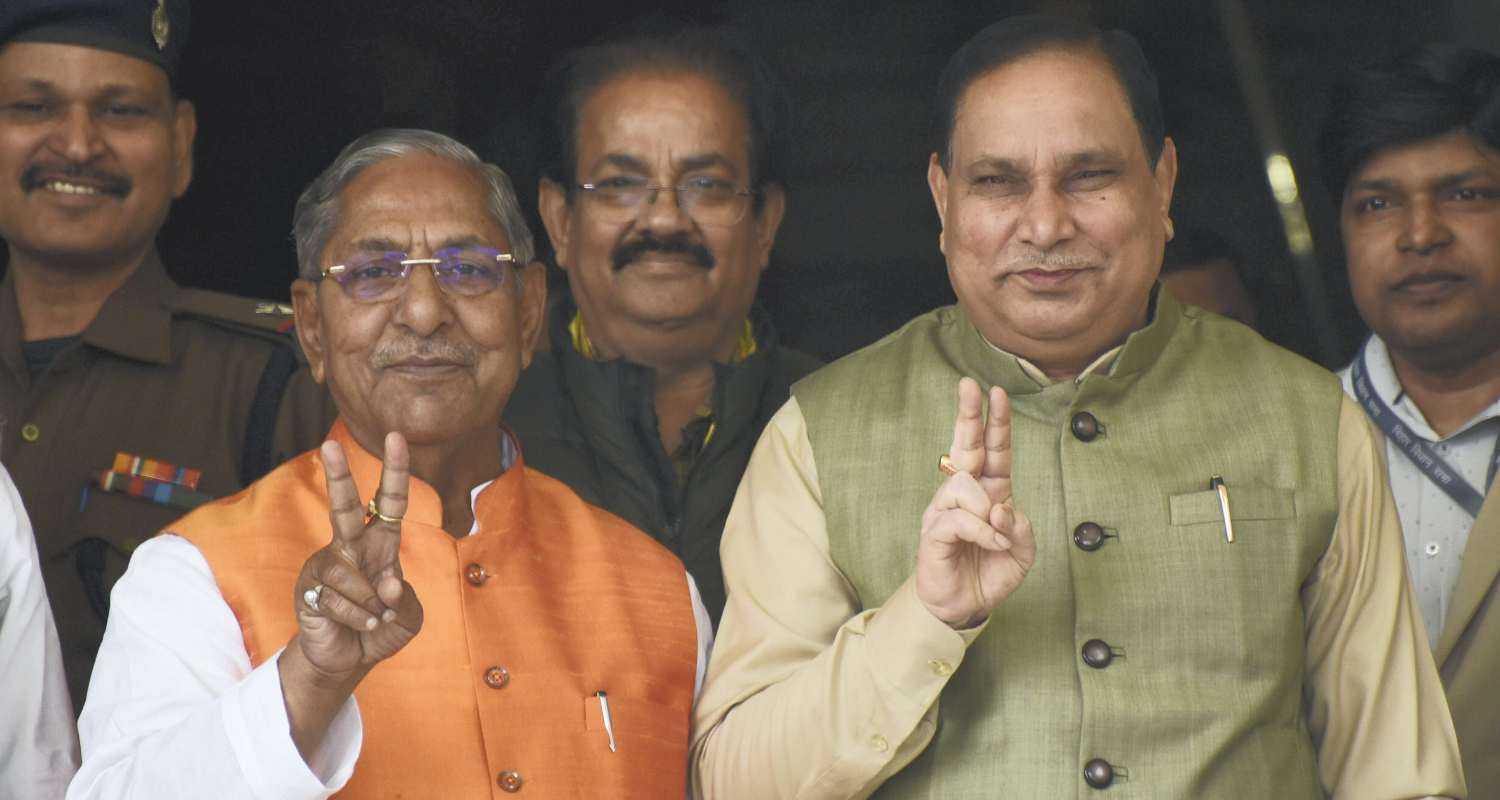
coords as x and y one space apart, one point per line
496 677
475 574
510 781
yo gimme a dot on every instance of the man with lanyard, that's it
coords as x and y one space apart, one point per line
125 400
1412 150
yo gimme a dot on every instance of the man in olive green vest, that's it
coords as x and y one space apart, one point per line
1163 563
1412 150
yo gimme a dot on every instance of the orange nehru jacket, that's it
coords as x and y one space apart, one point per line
551 601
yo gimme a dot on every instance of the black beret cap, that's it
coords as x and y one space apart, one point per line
151 30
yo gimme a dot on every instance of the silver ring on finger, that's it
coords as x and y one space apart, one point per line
311 597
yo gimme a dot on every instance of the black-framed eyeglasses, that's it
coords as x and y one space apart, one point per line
464 271
708 200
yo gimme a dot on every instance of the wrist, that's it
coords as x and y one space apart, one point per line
305 676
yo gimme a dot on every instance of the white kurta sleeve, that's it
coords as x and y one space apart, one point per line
705 628
174 709
38 745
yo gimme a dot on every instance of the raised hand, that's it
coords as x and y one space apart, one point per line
975 546
365 611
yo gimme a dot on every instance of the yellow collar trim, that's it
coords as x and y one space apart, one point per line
746 347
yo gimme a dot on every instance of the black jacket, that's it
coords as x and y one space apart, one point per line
592 425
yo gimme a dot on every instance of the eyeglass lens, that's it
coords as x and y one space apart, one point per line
710 201
469 272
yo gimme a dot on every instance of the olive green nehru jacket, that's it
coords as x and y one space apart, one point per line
1142 639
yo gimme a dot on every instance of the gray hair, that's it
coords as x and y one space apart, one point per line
317 211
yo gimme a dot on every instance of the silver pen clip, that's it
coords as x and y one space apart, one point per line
609 724
1217 484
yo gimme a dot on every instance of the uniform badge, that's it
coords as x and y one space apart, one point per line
157 481
161 26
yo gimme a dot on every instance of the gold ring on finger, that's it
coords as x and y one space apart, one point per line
945 465
372 512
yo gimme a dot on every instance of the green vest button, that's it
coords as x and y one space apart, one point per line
1085 426
1096 653
30 432
1089 537
1098 773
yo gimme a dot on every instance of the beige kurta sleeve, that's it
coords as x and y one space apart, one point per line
808 694
1377 711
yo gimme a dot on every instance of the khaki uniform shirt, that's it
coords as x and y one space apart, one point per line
811 695
162 373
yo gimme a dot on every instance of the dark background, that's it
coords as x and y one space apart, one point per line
282 85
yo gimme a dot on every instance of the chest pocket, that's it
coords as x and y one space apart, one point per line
1246 504
634 719
1246 592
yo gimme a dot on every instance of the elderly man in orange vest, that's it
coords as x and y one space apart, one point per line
474 628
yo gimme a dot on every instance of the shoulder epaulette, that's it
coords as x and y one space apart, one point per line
264 319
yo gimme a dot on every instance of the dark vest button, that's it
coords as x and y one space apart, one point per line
476 574
1096 653
1085 427
1088 536
1098 773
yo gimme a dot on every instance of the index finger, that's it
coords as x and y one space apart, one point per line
345 512
967 451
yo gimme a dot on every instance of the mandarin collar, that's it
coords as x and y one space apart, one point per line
1140 350
501 505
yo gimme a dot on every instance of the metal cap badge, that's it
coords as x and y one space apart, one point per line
161 25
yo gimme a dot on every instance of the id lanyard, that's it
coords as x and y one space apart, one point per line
1416 448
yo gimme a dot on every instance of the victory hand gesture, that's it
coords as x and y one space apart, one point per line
353 607
975 546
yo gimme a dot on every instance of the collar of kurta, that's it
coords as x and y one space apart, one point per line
1140 350
502 503
135 322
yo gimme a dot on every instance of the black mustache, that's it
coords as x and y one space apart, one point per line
37 175
678 244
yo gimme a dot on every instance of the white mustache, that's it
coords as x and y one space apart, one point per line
1048 261
397 352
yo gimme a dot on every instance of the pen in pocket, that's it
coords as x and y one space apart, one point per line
609 724
1217 483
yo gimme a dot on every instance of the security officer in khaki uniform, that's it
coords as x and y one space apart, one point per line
125 400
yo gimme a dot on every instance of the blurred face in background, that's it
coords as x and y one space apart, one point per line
1421 226
657 280
93 149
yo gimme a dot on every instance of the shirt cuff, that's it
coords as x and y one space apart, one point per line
916 652
261 736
